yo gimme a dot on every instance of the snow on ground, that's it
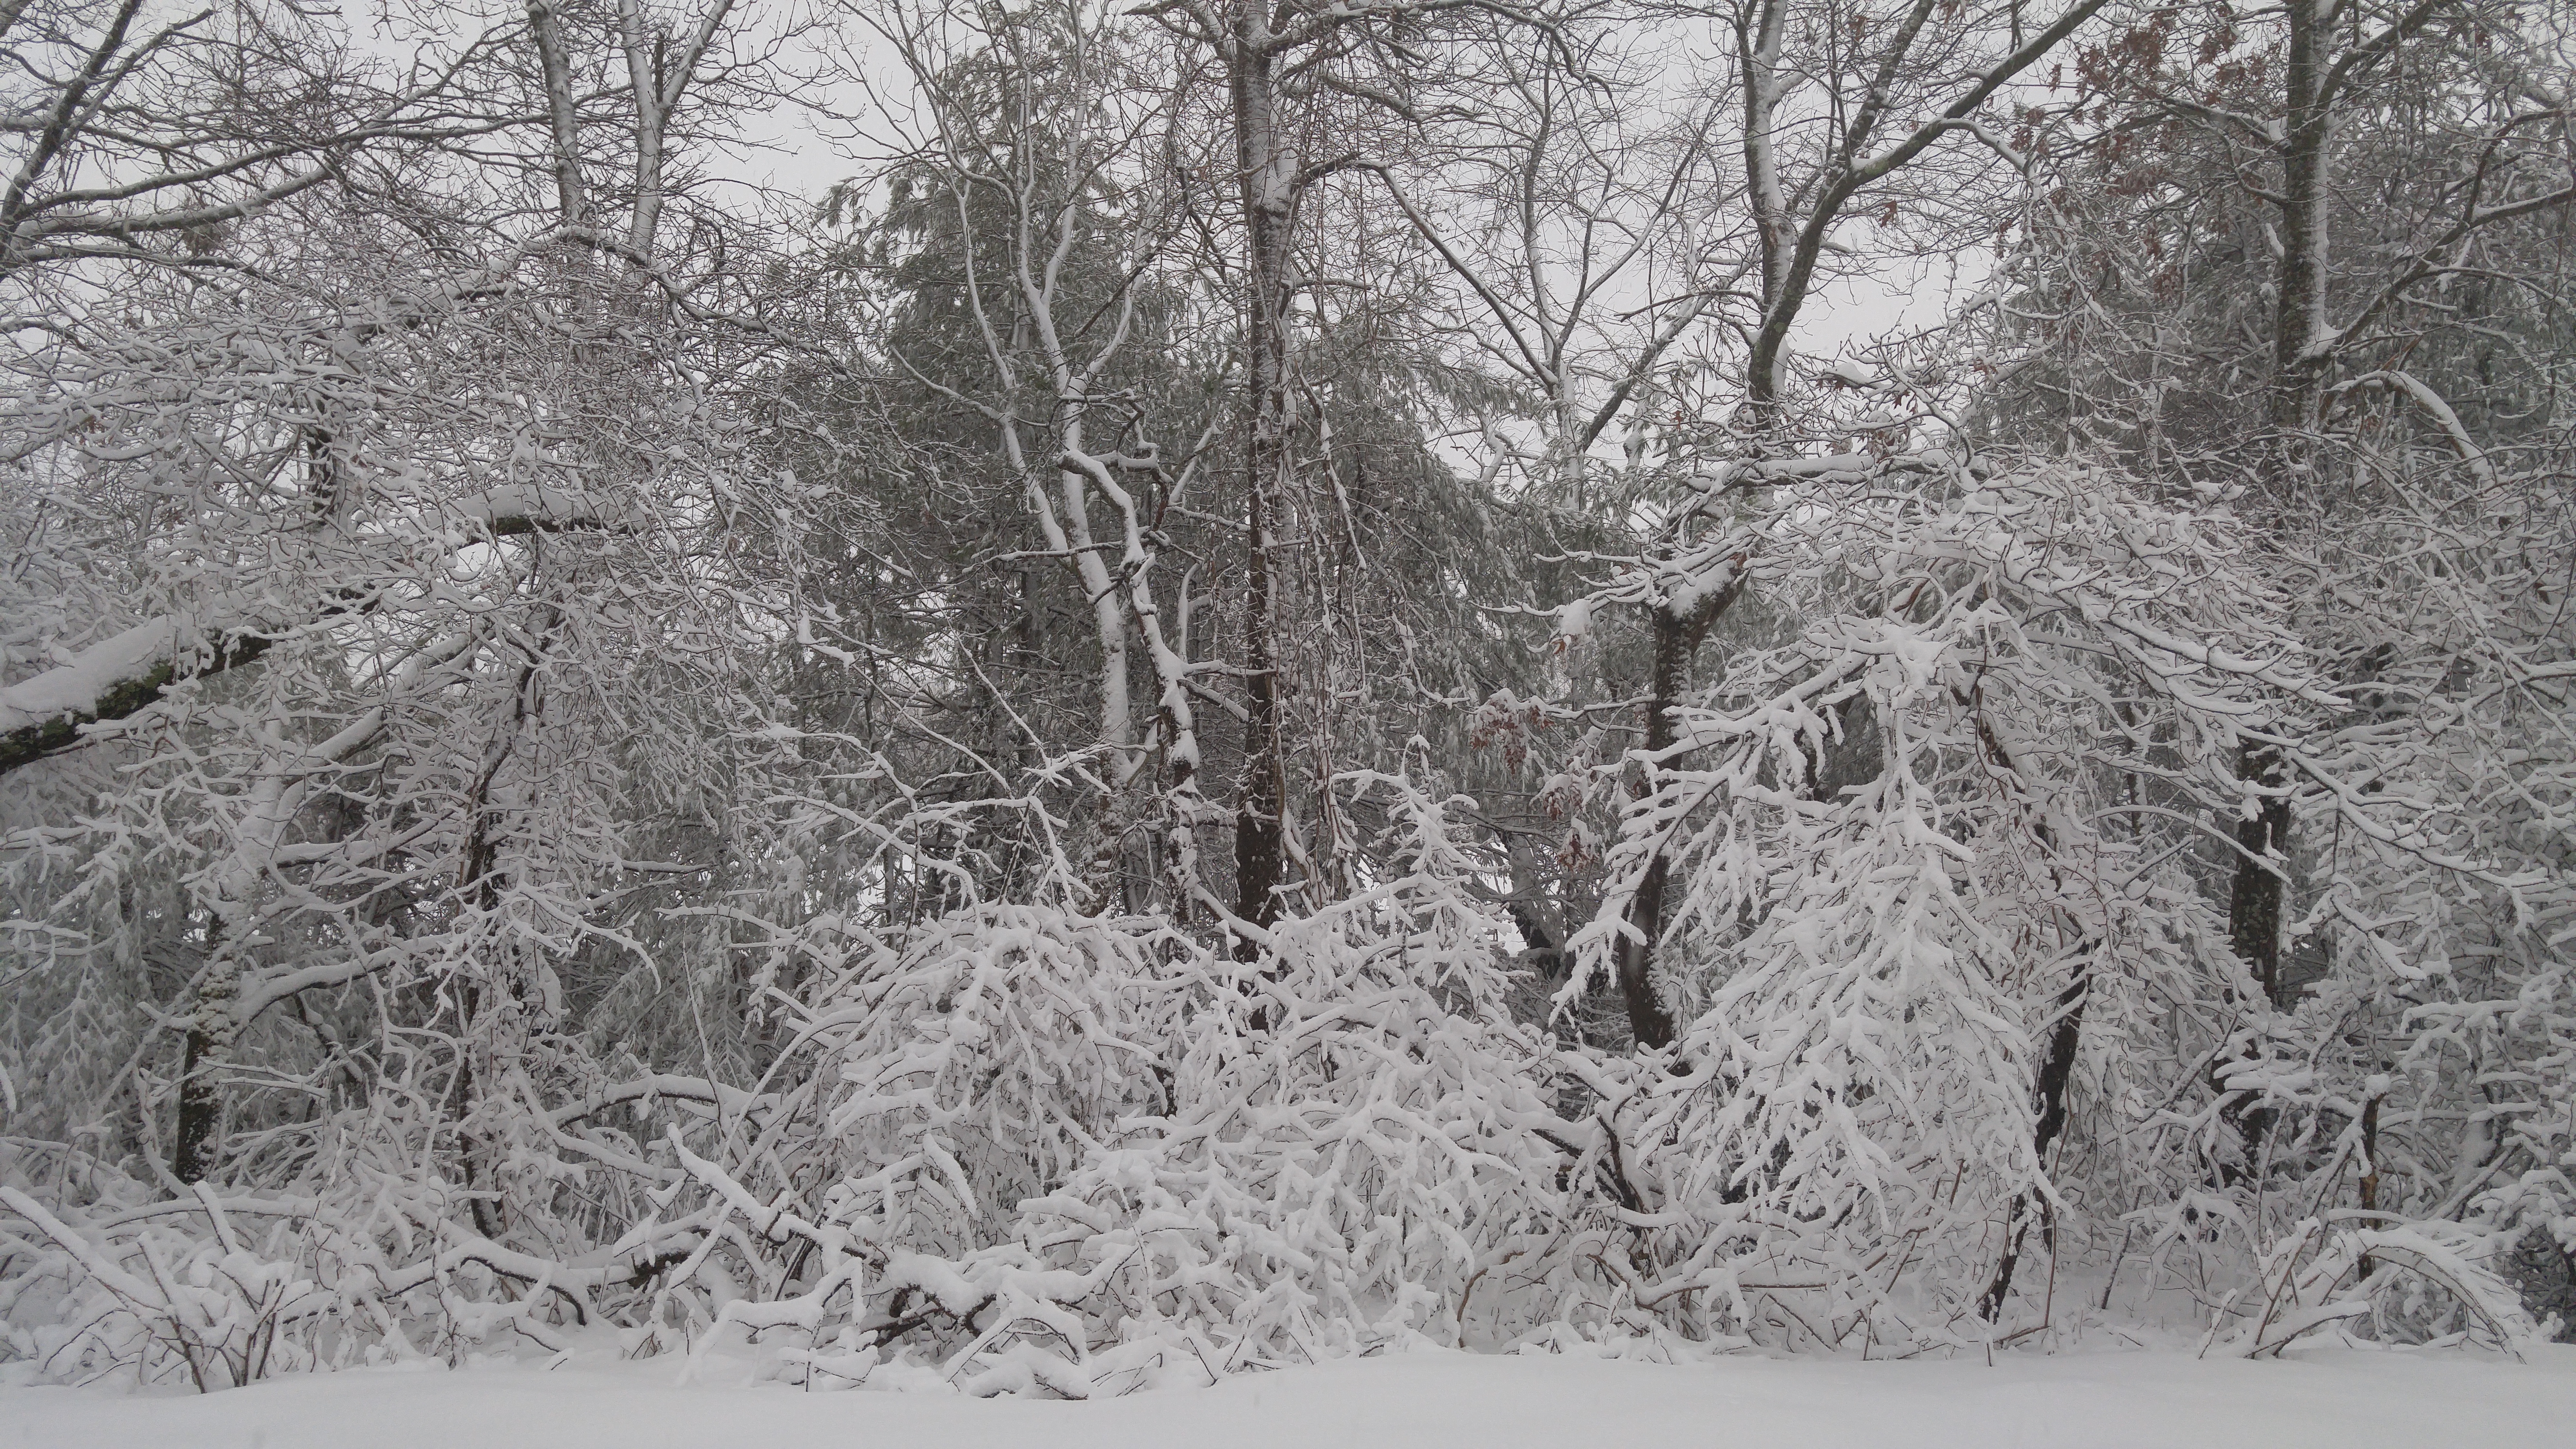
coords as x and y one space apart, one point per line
2331 1398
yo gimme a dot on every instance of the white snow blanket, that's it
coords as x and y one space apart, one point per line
2329 1398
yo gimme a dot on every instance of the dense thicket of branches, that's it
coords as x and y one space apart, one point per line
1298 675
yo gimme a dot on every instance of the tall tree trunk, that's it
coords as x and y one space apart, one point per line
1678 633
2254 909
2255 899
2298 366
1268 180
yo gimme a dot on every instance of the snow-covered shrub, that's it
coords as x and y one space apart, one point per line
1360 1133
153 1301
977 1059
1905 952
2416 1284
216 1289
1218 1163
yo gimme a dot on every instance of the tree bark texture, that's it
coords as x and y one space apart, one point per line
1677 639
1268 181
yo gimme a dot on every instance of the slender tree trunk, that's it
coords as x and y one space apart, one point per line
1757 40
2370 1168
2056 1072
2307 137
2254 904
482 888
1109 602
1678 633
2255 898
195 1145
1677 639
1268 179
645 84
561 114
214 1020
480 881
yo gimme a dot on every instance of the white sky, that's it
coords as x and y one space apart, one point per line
802 146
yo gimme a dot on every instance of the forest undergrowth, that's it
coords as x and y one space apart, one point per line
1296 680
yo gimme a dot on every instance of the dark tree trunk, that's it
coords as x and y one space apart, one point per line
2254 902
1677 639
196 1145
1268 183
201 1107
2056 1071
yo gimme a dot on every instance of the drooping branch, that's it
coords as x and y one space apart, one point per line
121 676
